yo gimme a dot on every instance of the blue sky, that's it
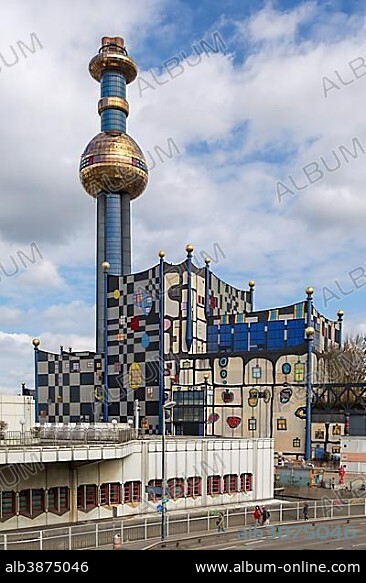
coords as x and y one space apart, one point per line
242 120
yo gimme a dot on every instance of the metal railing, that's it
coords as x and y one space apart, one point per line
95 535
65 436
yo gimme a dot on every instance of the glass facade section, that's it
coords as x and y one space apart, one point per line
113 232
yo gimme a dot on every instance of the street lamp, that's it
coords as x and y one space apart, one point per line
309 333
169 405
22 423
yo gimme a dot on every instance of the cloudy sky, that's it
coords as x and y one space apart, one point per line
269 121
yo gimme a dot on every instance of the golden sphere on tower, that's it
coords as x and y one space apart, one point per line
340 313
309 331
251 283
309 291
189 248
112 162
207 260
105 265
36 342
161 254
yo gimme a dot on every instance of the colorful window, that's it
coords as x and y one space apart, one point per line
252 424
246 482
132 492
230 484
281 424
194 487
336 429
176 488
299 372
256 372
286 368
213 485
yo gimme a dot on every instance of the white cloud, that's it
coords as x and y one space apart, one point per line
241 125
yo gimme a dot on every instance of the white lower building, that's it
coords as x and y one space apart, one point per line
353 454
56 484
17 412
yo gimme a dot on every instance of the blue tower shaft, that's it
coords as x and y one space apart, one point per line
113 208
113 118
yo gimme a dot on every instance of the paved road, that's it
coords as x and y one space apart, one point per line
325 535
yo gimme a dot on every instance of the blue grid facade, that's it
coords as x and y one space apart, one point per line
256 336
113 85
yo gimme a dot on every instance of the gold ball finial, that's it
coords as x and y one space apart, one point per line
251 283
340 313
309 291
105 265
309 331
36 342
206 376
161 254
207 260
189 248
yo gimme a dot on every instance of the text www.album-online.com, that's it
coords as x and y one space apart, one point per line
301 567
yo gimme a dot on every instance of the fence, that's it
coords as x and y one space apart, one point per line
95 535
65 436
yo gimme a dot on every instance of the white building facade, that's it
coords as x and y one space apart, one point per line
17 412
60 484
353 454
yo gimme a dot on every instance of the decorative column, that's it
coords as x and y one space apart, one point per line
340 315
161 340
207 287
36 342
309 334
189 327
105 266
251 284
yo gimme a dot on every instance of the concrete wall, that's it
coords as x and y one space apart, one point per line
184 458
14 408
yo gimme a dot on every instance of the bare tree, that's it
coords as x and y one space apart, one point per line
346 364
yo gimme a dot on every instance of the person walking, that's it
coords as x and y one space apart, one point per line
220 522
265 516
257 516
305 511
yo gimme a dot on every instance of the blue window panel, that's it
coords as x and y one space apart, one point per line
240 343
276 334
113 84
113 120
295 332
257 335
225 329
240 328
212 347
